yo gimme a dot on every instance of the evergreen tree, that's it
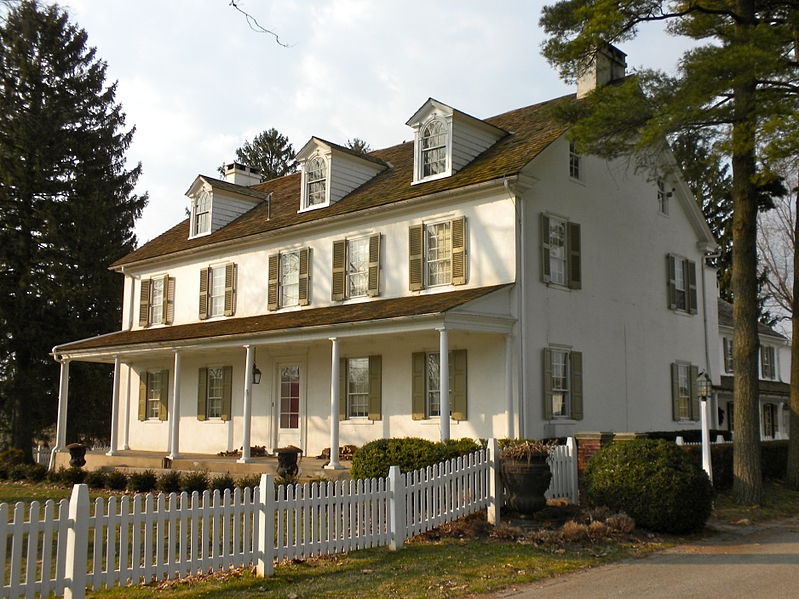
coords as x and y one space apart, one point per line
67 211
356 144
269 151
739 87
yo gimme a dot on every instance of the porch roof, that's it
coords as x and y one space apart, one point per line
375 310
770 387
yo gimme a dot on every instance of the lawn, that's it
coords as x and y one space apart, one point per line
13 492
779 502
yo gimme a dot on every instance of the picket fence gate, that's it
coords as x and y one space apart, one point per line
64 547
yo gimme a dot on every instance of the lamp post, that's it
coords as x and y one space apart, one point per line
705 387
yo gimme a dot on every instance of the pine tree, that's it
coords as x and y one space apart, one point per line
739 87
356 144
269 151
67 210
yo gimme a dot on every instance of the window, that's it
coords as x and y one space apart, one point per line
289 274
154 391
153 394
218 291
769 420
681 284
663 197
316 182
729 359
156 300
563 384
437 254
214 397
574 161
433 144
289 279
290 397
560 252
357 267
201 214
357 387
684 391
214 392
426 388
768 365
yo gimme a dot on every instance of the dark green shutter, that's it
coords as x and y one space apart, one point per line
339 270
144 303
143 396
675 391
204 274
418 386
163 411
459 251
342 385
230 289
227 391
304 291
272 283
415 257
576 382
373 278
458 378
375 387
690 268
693 375
546 273
202 394
168 305
671 282
575 271
547 384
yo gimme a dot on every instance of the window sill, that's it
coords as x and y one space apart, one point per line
358 422
215 421
314 207
570 421
435 421
578 181
150 421
683 312
559 286
205 234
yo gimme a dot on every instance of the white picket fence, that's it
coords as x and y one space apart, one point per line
70 545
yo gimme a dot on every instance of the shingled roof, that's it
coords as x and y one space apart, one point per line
725 319
530 131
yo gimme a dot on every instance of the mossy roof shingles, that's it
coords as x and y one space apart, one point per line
530 131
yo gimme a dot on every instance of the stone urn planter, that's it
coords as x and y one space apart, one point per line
77 454
525 476
287 458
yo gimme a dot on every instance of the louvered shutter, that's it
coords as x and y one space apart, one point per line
272 283
690 267
415 257
547 384
418 410
342 386
373 278
375 387
204 275
169 300
227 392
675 391
693 375
459 251
576 384
144 303
165 300
546 272
230 289
339 270
575 271
304 291
143 396
163 411
202 394
458 384
671 282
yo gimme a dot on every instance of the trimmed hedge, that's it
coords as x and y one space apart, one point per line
653 481
410 453
773 460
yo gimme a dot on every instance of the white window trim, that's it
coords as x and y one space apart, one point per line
580 178
280 286
192 230
157 417
663 197
347 242
682 364
347 398
211 268
304 207
208 416
425 254
774 370
417 151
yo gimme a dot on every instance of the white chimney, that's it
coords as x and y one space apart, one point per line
240 174
608 65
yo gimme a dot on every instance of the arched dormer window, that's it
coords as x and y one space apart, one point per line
316 182
433 148
201 214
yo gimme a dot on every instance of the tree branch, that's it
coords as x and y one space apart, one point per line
256 26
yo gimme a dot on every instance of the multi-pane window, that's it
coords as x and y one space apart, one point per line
769 420
316 181
561 262
154 390
433 144
574 161
729 359
680 285
683 391
663 197
290 397
560 383
215 391
438 246
357 267
216 291
202 213
289 279
357 387
433 384
156 299
557 251
768 367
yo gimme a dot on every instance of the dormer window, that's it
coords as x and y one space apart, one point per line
316 182
201 214
434 149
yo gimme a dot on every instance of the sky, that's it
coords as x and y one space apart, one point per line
196 81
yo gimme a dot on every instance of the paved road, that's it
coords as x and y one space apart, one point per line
757 562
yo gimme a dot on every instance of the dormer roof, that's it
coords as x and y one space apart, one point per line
433 106
316 143
231 188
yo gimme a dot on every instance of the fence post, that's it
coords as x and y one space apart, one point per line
494 483
265 562
396 508
77 543
574 482
679 440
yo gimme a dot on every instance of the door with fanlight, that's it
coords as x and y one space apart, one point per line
289 404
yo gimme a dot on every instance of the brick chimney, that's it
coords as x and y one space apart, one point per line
608 65
240 174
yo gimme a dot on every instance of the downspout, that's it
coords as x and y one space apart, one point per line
521 295
708 370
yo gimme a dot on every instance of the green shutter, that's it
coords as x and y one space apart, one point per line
272 283
417 386
227 391
458 378
671 282
304 291
144 303
690 268
373 277
342 385
202 394
415 257
546 274
375 387
576 388
204 274
693 375
230 289
339 270
143 395
168 301
575 271
675 391
547 384
459 251
163 412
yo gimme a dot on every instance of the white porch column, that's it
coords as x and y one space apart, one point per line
247 416
443 386
510 416
112 450
174 416
126 425
334 463
61 422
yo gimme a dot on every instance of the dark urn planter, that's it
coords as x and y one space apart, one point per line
77 454
287 460
525 484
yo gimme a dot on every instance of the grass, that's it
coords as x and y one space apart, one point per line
779 502
11 492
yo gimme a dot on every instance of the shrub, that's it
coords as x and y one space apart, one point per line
251 481
18 472
773 460
35 473
141 482
71 476
654 482
410 453
116 481
222 482
96 479
169 482
194 481
12 457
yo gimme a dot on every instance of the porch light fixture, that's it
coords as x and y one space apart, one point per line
704 386
256 375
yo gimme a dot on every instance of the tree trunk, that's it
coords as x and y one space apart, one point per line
792 470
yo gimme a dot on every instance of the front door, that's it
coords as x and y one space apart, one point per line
289 405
